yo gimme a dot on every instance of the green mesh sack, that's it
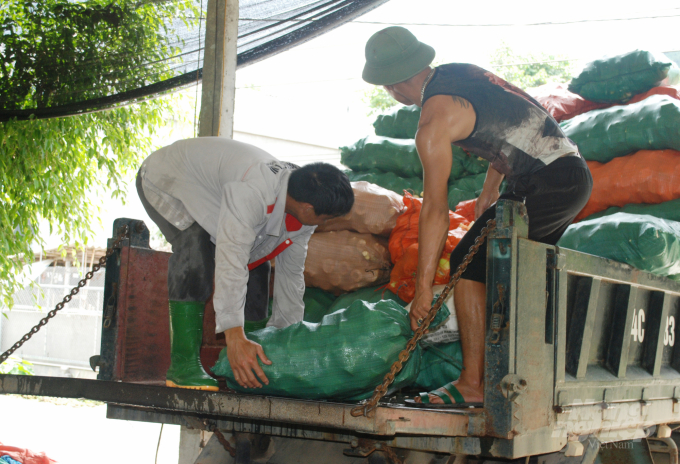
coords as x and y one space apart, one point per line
316 302
399 156
389 181
645 242
368 294
439 365
667 210
619 78
465 188
474 165
651 124
343 357
399 123
384 154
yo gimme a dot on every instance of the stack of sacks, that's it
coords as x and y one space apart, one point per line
351 252
390 159
626 125
404 249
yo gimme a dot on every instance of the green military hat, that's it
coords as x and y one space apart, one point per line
394 55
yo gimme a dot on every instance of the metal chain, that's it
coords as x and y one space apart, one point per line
69 296
223 441
391 455
369 407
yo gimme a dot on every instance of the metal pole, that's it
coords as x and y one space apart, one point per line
219 69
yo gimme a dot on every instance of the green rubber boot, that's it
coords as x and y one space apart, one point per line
186 333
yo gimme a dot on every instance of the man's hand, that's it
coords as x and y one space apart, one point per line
487 198
242 355
420 306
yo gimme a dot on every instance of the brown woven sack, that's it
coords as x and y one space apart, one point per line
344 261
375 211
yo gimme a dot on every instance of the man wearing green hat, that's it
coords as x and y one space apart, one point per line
465 105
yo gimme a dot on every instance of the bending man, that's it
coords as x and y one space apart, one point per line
467 106
227 208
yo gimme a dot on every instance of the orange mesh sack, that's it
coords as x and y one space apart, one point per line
404 249
403 275
467 209
646 176
669 90
375 211
405 233
563 104
344 261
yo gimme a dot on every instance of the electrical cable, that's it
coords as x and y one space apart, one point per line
545 23
159 444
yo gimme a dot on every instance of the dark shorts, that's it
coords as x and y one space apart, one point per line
553 197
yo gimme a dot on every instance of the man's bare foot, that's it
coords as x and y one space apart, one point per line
470 394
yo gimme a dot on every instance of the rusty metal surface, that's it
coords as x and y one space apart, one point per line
143 340
387 421
142 323
436 444
614 421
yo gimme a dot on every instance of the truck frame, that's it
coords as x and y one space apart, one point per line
580 352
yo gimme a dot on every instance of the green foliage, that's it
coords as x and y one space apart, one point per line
49 168
16 366
56 52
540 68
378 100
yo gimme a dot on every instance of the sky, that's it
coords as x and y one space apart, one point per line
313 93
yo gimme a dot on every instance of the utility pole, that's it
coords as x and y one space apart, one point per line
219 69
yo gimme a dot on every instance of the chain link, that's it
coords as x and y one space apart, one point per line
369 407
69 296
391 455
223 441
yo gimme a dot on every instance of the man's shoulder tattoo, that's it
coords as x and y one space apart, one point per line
461 101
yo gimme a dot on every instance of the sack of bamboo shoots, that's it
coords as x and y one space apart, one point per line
375 211
344 261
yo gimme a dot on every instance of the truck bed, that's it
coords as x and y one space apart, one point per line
576 345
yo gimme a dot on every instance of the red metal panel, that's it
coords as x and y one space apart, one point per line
143 342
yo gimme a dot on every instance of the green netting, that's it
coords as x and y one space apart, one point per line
667 210
368 294
439 365
389 181
399 123
619 78
466 188
343 357
317 302
645 242
651 124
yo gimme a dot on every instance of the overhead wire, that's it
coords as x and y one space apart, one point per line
544 23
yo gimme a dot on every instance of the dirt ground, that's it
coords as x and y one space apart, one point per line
78 432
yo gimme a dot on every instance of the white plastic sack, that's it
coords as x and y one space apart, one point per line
448 331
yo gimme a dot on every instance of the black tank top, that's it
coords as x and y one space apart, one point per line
512 130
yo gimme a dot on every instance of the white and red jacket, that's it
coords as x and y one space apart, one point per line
237 193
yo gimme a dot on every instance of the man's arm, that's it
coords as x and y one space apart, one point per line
490 191
241 209
443 120
289 283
